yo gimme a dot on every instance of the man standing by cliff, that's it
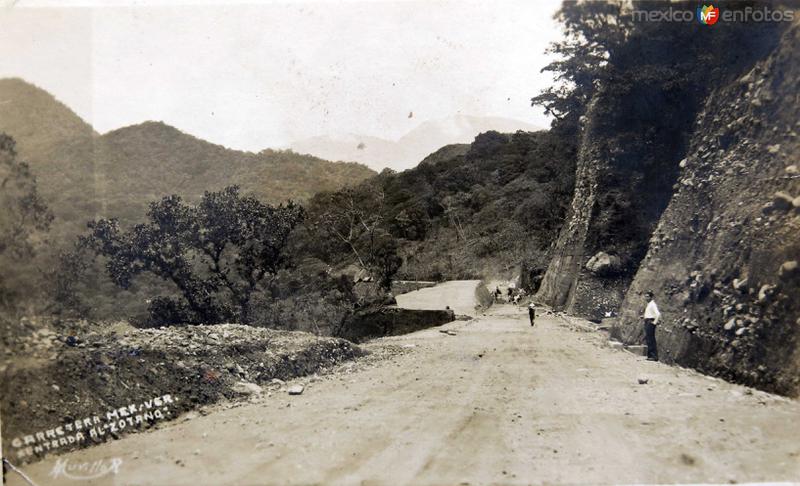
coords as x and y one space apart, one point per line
651 318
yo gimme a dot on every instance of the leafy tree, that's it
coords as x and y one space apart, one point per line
69 276
383 260
354 218
217 253
594 31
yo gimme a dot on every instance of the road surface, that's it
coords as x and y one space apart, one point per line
459 295
497 403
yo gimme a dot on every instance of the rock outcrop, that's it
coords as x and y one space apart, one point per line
723 259
699 208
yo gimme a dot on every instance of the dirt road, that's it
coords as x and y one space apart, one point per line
459 295
499 402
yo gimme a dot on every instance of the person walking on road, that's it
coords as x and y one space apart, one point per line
651 318
532 312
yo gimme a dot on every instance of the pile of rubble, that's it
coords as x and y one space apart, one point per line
83 370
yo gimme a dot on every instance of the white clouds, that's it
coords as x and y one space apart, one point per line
251 76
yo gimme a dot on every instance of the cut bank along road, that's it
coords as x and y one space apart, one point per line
497 403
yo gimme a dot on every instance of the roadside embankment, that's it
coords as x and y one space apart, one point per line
106 384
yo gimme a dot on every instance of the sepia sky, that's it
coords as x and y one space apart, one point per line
263 74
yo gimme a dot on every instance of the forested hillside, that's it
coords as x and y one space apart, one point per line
466 211
80 176
83 175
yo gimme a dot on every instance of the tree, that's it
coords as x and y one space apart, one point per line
593 33
354 217
217 253
69 276
23 217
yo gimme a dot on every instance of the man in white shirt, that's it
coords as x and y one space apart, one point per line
532 313
651 318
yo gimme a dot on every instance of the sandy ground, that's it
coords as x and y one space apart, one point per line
497 403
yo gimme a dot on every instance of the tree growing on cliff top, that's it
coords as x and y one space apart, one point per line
217 254
593 33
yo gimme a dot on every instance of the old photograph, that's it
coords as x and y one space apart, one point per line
399 242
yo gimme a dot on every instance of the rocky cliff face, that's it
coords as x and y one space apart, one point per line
624 180
703 210
723 259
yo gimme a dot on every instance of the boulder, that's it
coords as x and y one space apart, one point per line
782 201
296 389
765 293
615 345
789 269
246 388
603 264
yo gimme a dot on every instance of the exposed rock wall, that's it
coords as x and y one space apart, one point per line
623 182
714 260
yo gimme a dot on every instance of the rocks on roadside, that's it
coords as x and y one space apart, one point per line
602 264
246 388
740 285
616 345
765 293
296 389
782 201
789 269
642 380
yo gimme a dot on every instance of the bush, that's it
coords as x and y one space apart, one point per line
167 311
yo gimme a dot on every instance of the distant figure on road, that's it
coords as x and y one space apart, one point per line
497 294
532 312
651 318
510 293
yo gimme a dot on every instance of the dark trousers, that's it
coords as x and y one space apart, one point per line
650 339
532 315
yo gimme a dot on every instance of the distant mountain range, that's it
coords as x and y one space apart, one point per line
83 174
410 149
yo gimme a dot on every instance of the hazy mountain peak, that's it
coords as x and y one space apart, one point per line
84 175
35 118
412 147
